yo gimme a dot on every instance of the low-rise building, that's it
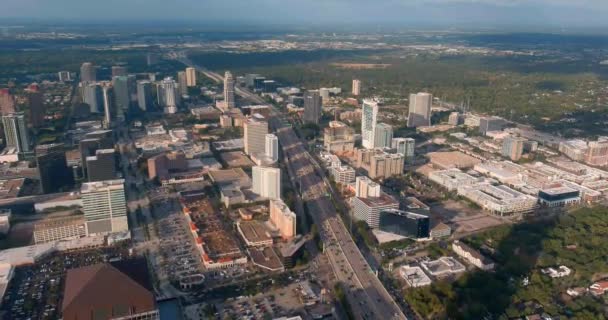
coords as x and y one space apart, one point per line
59 229
498 199
443 266
414 276
254 233
559 196
473 256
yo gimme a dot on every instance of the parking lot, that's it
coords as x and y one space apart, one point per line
36 291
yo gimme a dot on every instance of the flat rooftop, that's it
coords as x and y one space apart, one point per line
381 201
452 159
266 258
11 188
236 159
100 185
230 176
59 222
254 231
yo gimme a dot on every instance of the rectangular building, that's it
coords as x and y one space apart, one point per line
104 205
255 131
368 209
266 182
59 229
283 218
338 138
101 166
405 223
420 110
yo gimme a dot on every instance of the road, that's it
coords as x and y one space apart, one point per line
365 293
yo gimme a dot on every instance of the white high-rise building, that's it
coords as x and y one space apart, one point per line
15 132
191 77
104 206
272 147
168 95
420 110
369 115
255 130
88 73
366 187
283 218
383 136
229 90
267 182
356 87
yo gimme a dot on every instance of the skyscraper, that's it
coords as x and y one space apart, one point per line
229 90
266 182
168 95
15 132
191 77
101 166
37 110
369 115
383 136
7 102
183 83
313 105
52 168
404 146
255 131
108 101
123 86
119 71
513 148
272 147
88 72
356 87
104 206
93 96
144 95
420 110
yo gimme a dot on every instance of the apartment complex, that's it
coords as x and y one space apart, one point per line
266 182
338 138
283 218
380 164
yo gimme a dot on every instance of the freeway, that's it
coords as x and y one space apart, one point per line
365 293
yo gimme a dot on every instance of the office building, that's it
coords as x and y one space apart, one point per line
558 195
108 106
55 175
161 165
191 77
123 86
144 95
56 229
118 71
380 164
118 290
229 99
255 131
369 117
513 148
368 209
420 110
250 79
64 76
168 95
356 87
37 110
7 102
366 187
338 138
488 124
313 107
405 146
88 73
405 223
272 147
16 132
283 219
182 82
93 96
104 206
101 166
266 182
383 136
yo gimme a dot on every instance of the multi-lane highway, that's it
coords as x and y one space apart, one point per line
365 293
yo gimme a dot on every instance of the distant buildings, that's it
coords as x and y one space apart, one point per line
108 106
118 71
123 86
338 138
7 102
52 167
182 83
420 110
169 97
16 132
229 90
405 223
356 87
191 77
93 96
513 148
473 256
404 146
383 136
104 206
488 124
255 131
144 95
37 110
283 218
88 73
272 147
313 105
64 76
380 164
369 115
266 182
594 153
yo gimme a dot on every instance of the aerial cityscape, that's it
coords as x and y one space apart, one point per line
264 167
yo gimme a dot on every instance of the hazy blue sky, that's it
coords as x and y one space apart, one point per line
567 13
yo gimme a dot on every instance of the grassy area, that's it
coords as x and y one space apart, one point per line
577 241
